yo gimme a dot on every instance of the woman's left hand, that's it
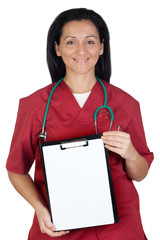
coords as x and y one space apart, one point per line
120 143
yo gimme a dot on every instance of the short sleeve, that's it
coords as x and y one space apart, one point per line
136 131
22 150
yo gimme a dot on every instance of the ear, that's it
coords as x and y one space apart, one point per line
56 46
102 48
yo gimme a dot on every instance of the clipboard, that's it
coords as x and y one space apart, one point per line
78 183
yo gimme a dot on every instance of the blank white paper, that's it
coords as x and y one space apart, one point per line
78 185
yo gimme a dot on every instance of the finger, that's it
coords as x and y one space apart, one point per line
115 141
116 133
114 144
49 230
45 229
115 138
49 224
61 233
54 234
52 227
114 149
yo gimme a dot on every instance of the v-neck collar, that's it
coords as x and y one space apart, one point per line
95 99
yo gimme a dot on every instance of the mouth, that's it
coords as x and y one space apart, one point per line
81 60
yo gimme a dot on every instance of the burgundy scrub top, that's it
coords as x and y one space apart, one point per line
67 120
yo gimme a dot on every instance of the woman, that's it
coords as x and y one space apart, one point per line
78 50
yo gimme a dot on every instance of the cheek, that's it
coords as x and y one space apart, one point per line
96 53
66 56
66 51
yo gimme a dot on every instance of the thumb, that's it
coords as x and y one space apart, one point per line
49 224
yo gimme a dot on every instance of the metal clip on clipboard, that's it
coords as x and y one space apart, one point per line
74 144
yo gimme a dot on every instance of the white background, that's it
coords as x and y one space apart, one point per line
135 39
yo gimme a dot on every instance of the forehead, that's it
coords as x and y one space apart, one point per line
82 27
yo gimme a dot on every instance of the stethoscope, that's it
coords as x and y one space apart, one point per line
43 134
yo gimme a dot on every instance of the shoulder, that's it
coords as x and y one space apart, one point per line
121 101
119 95
36 99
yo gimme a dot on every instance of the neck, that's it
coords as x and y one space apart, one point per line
80 83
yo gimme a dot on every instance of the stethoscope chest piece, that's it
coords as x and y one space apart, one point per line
104 106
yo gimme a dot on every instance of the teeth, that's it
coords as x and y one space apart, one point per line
81 60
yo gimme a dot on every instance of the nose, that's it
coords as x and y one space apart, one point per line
81 49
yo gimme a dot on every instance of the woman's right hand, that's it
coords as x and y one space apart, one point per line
24 184
45 224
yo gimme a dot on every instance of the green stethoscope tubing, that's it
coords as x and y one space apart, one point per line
43 134
49 99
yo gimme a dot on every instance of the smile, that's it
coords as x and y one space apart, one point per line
81 60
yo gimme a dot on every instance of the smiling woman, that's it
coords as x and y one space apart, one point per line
95 32
78 53
79 48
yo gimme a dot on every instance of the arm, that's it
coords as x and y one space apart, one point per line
120 143
25 186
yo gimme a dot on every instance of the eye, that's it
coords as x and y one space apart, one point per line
90 42
70 42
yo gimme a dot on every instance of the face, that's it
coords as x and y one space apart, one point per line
79 47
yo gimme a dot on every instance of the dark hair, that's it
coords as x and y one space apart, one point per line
55 64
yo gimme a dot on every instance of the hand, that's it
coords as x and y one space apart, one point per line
120 143
45 224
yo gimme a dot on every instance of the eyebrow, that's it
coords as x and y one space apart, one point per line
75 37
69 37
91 36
